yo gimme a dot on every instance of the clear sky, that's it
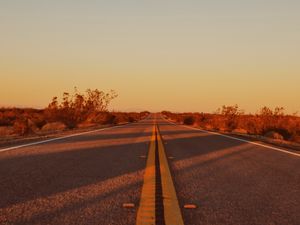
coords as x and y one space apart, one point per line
190 55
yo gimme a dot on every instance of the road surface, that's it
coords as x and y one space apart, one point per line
86 179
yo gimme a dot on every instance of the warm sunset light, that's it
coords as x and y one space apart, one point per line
176 55
150 112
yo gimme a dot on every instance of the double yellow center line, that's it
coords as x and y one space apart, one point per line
159 203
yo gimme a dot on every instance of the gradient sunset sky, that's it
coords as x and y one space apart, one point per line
179 55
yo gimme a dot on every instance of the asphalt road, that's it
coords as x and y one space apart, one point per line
78 180
86 179
230 181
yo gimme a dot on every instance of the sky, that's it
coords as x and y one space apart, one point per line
190 55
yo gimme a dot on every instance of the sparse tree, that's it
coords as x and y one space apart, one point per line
231 114
76 108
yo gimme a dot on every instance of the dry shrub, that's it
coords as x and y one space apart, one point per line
274 135
295 138
130 117
6 131
189 120
24 121
121 117
240 131
38 119
101 118
21 127
232 119
77 108
84 110
8 116
54 126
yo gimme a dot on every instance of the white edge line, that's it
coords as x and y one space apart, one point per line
238 139
60 138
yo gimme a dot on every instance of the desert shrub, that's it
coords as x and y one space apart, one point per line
200 119
252 125
52 111
122 117
274 135
5 121
231 118
295 138
231 113
23 121
8 116
189 120
283 132
115 117
77 108
21 126
110 119
103 118
131 119
240 131
143 114
36 118
39 121
73 110
53 126
6 131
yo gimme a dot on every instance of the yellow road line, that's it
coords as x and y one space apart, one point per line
171 206
146 212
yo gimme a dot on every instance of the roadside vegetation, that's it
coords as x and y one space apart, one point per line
274 124
76 110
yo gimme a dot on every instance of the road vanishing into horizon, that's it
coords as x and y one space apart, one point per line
149 172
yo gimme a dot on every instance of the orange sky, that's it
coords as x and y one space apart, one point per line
176 55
